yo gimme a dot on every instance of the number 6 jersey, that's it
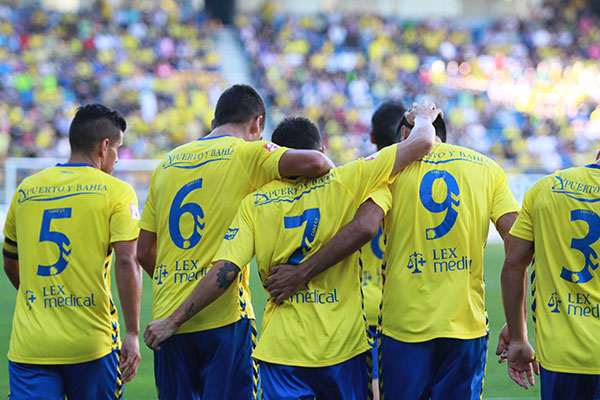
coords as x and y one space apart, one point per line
561 215
61 224
436 229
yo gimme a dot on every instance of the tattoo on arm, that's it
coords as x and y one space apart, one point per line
227 274
190 310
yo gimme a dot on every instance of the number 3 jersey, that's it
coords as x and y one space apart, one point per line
194 194
436 230
284 222
561 215
63 221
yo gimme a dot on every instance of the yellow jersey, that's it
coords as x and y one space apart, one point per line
561 215
288 221
64 220
371 256
193 196
436 230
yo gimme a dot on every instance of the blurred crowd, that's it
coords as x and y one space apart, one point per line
144 61
524 92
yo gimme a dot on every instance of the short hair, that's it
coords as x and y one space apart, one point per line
92 124
439 124
385 123
297 133
239 104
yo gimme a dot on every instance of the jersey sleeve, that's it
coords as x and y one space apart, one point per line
238 244
523 226
10 231
260 161
381 196
362 176
125 216
503 201
148 220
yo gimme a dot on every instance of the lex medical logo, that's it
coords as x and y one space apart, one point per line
577 305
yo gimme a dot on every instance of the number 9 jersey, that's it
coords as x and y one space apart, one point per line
436 229
561 215
61 224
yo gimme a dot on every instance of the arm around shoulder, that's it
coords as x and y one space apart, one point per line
308 163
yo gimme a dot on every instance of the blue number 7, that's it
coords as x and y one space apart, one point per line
311 216
60 239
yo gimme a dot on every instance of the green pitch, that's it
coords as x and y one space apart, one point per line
497 383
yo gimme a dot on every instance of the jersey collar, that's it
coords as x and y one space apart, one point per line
593 166
74 165
212 137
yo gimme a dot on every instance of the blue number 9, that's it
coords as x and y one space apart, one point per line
176 212
60 239
426 196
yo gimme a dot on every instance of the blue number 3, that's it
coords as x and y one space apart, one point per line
584 246
426 196
60 239
311 216
176 212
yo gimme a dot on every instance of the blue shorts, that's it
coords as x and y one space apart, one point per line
561 385
441 368
210 364
97 379
345 381
374 358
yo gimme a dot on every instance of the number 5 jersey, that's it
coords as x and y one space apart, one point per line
61 224
436 229
285 222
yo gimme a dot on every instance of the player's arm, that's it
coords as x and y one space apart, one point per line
11 261
129 285
146 251
421 138
503 225
520 353
308 163
285 279
208 289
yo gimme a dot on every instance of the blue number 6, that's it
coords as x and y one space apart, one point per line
426 196
176 212
584 246
311 216
60 239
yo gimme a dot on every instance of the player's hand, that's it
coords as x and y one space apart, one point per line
159 331
130 357
283 281
427 109
503 344
522 364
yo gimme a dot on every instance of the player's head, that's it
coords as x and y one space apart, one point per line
438 124
241 105
97 132
385 124
297 133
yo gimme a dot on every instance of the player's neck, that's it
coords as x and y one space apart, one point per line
235 130
78 158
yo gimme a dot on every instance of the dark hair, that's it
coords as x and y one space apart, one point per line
385 123
239 104
92 124
438 124
297 133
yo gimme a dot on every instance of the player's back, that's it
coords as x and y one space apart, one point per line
565 212
63 220
436 231
194 195
321 324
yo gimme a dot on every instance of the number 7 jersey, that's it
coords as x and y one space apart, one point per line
436 229
63 221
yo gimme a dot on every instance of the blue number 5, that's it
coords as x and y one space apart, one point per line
426 196
176 212
311 216
60 239
584 246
